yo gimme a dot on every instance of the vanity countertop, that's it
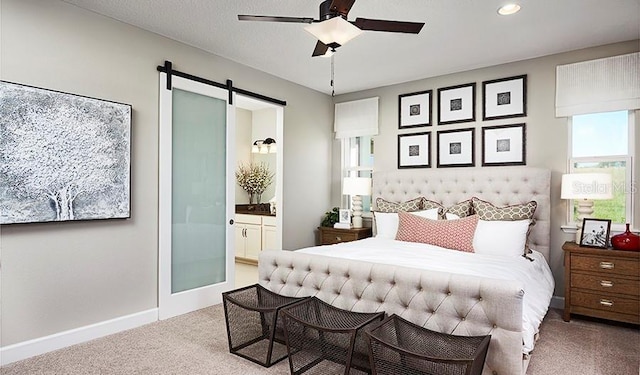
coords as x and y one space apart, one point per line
254 209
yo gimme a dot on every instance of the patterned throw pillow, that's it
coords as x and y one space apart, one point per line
429 205
408 206
489 212
450 234
457 211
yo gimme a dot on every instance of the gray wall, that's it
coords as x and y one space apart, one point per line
547 136
60 276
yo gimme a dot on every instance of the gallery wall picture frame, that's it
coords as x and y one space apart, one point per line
504 145
66 157
457 104
504 98
595 233
414 109
414 150
456 148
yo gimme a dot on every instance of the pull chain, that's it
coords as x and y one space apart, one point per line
333 92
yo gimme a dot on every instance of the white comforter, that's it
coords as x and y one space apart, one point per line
535 276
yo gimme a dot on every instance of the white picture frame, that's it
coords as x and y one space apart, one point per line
344 216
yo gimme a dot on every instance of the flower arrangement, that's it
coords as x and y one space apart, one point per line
254 178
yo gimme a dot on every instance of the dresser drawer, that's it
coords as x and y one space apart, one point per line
604 302
605 265
606 284
330 238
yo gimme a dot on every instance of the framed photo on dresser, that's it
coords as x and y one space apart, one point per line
595 233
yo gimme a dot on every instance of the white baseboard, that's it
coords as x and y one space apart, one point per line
557 302
41 345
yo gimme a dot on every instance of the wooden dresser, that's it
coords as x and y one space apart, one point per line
330 236
601 283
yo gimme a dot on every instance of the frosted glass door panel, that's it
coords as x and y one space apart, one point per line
198 209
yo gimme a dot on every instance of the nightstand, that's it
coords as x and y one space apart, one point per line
601 283
330 236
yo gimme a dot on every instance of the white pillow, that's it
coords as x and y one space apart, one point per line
387 222
505 238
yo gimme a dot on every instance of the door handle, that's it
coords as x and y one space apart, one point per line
231 222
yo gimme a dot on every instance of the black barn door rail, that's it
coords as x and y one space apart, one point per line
168 69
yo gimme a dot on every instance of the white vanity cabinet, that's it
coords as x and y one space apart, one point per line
253 234
269 233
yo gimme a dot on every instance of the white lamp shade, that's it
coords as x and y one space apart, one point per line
357 186
334 30
587 186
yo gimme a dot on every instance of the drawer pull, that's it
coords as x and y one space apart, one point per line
339 239
606 265
606 302
606 283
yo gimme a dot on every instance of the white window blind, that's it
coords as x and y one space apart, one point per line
356 118
602 85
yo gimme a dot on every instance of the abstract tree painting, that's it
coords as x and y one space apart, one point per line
62 156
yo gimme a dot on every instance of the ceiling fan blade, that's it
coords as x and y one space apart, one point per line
320 49
341 6
389 26
243 17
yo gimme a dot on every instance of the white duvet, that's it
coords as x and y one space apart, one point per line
535 276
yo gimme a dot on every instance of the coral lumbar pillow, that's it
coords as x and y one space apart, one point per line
450 234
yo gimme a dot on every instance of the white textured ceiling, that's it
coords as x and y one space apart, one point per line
459 34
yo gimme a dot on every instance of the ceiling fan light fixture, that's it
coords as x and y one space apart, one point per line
508 9
334 32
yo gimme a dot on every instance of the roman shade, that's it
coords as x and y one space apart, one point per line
356 118
602 85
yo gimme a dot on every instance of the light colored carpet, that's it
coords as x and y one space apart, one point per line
196 343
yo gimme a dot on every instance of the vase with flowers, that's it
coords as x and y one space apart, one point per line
254 178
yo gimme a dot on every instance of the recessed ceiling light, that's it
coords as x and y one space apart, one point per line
508 9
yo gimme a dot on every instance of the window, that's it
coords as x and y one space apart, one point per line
357 161
603 143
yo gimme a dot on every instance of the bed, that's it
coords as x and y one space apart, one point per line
443 290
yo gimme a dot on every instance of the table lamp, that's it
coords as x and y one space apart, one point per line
585 188
356 187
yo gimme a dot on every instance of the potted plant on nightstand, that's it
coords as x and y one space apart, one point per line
330 217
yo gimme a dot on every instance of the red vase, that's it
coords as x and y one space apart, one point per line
626 241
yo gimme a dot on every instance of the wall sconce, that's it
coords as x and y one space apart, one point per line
267 146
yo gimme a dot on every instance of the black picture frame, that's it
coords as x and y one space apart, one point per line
456 148
415 109
67 156
457 104
595 233
414 150
504 98
504 145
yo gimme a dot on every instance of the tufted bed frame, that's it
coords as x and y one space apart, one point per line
444 302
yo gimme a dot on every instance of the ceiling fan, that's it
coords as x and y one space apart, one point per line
332 29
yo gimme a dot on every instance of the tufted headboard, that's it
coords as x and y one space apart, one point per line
501 186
